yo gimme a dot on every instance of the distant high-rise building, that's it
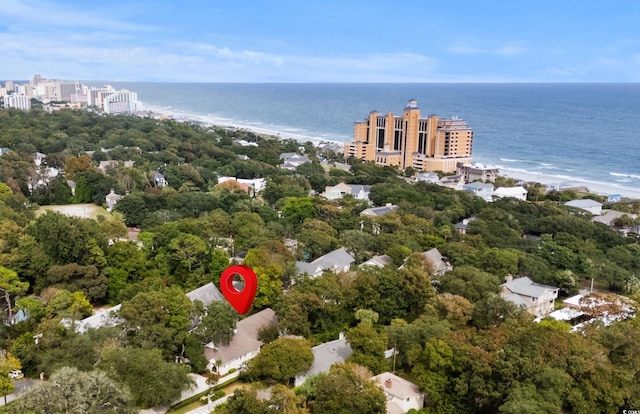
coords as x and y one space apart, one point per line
95 96
35 79
425 144
24 90
17 101
9 85
64 90
122 102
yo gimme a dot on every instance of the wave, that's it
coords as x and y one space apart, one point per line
637 177
509 160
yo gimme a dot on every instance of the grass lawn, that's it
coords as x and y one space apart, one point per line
76 210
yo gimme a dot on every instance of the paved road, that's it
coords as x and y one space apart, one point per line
21 385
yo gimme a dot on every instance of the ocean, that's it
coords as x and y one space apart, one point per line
563 134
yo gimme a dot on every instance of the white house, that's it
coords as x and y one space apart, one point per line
111 199
518 192
292 160
586 204
427 177
336 261
359 192
377 261
478 189
402 395
244 346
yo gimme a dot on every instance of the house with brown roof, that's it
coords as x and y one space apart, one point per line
244 346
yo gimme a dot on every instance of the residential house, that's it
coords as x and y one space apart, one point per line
518 192
324 356
478 189
104 166
379 211
111 199
292 160
586 204
100 319
378 261
402 395
255 185
359 192
244 345
537 298
474 172
452 181
439 265
614 198
207 294
4 150
609 217
336 261
38 157
427 177
462 226
159 180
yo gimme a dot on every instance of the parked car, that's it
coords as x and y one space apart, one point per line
16 374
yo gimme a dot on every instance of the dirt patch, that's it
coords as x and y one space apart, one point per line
76 210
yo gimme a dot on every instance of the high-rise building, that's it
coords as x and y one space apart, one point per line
425 144
122 102
17 101
9 85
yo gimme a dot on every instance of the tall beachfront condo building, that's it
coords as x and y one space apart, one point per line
122 102
17 101
425 144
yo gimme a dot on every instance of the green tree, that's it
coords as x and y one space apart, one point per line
8 363
281 360
10 285
72 391
157 319
368 347
152 380
348 389
217 322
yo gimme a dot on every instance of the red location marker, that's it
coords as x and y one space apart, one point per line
240 299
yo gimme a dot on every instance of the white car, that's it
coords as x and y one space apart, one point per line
16 374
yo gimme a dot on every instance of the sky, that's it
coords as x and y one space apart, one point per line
321 41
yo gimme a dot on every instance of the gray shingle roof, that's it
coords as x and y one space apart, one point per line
527 287
325 355
207 294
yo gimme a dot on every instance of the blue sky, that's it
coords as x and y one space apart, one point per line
322 41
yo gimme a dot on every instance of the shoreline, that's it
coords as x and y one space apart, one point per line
596 187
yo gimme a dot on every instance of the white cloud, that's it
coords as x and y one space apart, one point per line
465 49
22 14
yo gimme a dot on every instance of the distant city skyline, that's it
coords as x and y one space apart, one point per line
329 41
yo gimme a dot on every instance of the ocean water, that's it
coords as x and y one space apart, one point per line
566 133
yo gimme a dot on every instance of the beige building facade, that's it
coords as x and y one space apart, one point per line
409 140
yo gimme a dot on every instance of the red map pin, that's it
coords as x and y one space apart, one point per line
240 297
